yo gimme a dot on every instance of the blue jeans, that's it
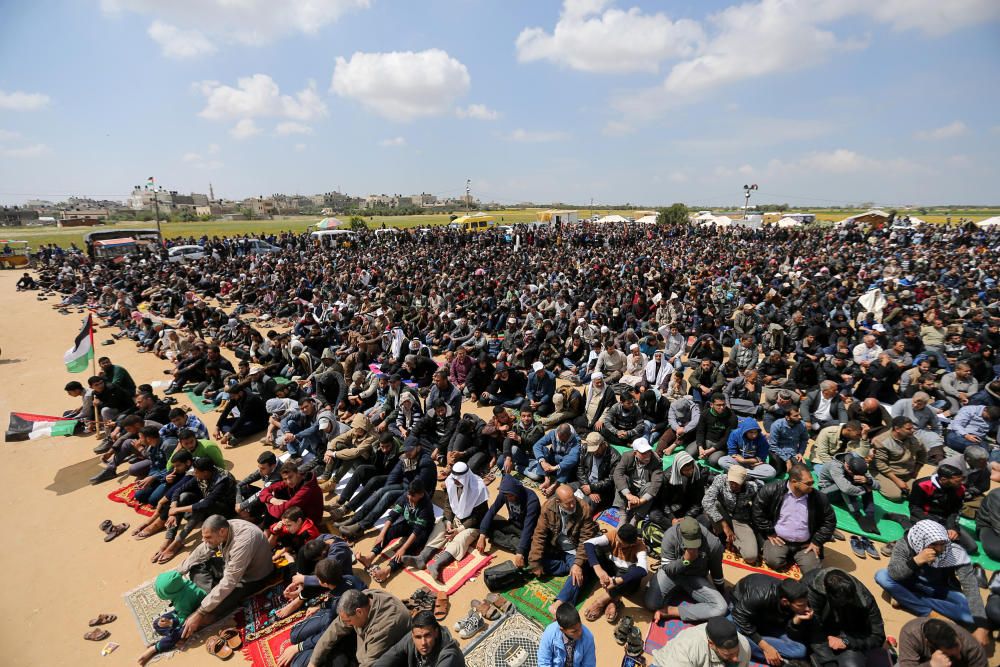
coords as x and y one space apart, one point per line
375 506
956 441
554 566
920 596
534 470
521 460
787 647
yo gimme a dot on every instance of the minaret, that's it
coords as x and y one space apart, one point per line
211 194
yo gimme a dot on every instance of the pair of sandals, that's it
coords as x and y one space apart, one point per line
224 644
493 607
112 530
99 634
421 600
609 608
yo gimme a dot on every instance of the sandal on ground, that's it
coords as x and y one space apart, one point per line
115 531
232 637
217 646
593 611
106 525
501 603
442 605
486 610
380 580
102 619
612 612
97 635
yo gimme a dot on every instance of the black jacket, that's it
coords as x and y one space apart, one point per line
931 501
859 624
767 506
756 605
404 654
605 484
715 427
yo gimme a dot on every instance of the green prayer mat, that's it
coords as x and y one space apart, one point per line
889 531
281 380
200 403
981 558
533 599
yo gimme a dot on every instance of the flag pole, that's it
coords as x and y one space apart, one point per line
93 365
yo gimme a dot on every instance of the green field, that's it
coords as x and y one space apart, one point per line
37 236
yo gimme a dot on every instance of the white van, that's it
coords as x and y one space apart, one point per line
329 238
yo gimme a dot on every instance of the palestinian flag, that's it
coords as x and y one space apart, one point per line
26 426
79 356
150 182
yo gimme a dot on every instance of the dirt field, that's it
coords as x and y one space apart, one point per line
60 573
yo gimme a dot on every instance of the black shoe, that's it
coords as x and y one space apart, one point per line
839 536
857 546
980 575
103 447
868 524
870 548
103 476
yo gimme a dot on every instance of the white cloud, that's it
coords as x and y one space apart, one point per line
592 37
6 135
244 129
393 142
251 22
34 150
478 112
299 148
259 96
844 161
180 44
949 131
770 37
402 85
213 149
291 127
206 161
20 101
536 137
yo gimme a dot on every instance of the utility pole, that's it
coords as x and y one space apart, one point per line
746 195
468 195
156 212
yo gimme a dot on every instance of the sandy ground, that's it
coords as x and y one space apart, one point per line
60 571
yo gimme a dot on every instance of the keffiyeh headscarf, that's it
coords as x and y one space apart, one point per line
927 532
682 459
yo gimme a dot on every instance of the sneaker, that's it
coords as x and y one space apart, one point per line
460 623
870 548
103 476
472 626
857 546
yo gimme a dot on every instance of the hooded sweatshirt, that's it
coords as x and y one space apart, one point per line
183 594
740 444
523 513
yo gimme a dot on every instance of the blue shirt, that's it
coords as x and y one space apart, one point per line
552 648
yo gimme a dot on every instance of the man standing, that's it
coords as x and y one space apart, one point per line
795 521
242 567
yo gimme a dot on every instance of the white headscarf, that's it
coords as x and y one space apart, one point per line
682 459
927 532
475 492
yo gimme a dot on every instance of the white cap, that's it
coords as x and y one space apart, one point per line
324 423
641 445
604 329
537 366
633 346
597 376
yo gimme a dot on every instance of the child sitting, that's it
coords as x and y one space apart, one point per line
185 597
291 533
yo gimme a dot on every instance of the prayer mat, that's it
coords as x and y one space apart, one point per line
200 403
611 516
281 380
659 635
126 496
265 650
533 599
668 461
255 616
734 559
146 606
889 530
505 641
980 558
455 574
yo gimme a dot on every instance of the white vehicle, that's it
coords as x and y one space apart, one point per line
329 238
256 246
186 253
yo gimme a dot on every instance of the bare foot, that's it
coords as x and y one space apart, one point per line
146 656
168 554
290 608
554 607
366 561
159 552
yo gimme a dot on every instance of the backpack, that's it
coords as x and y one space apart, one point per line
503 577
652 534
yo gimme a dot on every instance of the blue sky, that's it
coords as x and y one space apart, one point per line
818 102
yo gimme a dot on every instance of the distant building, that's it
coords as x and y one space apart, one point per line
86 214
17 216
259 207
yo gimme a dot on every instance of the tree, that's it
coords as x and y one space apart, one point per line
677 214
247 213
358 223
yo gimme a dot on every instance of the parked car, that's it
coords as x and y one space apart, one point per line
186 253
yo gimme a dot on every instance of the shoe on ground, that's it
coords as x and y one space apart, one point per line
634 646
887 548
103 476
870 548
868 524
460 623
858 547
475 623
338 513
839 536
103 447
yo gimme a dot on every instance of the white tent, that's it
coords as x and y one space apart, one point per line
989 223
789 222
718 221
647 219
703 216
616 219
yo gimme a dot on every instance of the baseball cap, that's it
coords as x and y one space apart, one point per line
324 423
409 446
857 465
501 366
690 533
737 474
594 441
537 366
641 445
722 632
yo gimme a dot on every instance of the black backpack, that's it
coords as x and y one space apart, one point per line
504 577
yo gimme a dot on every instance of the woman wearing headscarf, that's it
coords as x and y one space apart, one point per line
922 575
